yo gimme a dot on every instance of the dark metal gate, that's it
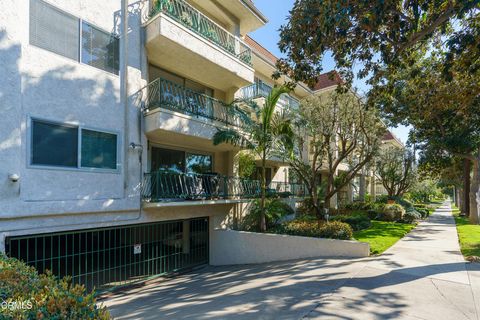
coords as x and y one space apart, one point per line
108 257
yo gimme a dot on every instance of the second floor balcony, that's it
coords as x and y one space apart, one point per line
173 108
165 186
180 37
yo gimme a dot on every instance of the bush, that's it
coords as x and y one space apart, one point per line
359 205
392 212
336 230
275 209
424 213
411 216
34 296
310 228
356 221
372 214
306 207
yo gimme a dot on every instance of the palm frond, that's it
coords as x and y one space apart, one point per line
233 137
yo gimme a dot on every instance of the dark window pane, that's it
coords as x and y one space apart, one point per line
100 49
54 144
99 149
166 159
54 30
199 163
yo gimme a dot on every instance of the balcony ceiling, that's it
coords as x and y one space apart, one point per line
234 12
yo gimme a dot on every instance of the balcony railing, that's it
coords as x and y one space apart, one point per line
260 89
165 94
166 186
194 20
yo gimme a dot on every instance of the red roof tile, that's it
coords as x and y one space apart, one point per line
329 79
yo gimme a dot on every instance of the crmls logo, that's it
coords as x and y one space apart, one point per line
16 305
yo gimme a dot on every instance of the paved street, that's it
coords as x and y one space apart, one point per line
423 276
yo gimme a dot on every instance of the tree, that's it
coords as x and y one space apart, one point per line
246 165
445 112
340 133
262 134
396 170
375 35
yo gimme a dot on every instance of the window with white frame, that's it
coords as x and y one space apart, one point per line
69 146
64 34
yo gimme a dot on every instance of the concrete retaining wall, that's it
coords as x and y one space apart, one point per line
229 247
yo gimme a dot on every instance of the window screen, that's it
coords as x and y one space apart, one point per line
99 149
54 144
54 30
99 49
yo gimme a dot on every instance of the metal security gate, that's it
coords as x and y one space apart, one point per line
108 257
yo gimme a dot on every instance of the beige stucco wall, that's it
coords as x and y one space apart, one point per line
228 247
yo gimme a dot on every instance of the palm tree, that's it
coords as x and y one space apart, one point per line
262 134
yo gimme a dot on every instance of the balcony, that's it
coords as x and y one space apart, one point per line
181 38
169 108
165 186
262 90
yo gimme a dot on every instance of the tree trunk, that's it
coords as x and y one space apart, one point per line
363 184
474 192
466 187
263 223
461 200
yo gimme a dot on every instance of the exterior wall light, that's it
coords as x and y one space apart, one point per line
13 177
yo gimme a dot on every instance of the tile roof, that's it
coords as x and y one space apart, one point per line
257 47
328 79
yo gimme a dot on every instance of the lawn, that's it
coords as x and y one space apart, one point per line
382 235
468 235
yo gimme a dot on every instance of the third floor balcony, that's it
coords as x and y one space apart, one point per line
181 38
260 90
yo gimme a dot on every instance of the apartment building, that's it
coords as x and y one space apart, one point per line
109 173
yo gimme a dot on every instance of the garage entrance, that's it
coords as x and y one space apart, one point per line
108 257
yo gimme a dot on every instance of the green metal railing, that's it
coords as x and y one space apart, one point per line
193 19
173 186
165 94
109 257
260 89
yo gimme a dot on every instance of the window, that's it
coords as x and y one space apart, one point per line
99 48
54 144
99 149
54 30
59 32
180 161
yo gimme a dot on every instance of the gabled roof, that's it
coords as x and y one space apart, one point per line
388 136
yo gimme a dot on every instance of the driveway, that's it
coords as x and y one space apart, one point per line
423 276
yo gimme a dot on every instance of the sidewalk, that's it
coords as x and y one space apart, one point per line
423 276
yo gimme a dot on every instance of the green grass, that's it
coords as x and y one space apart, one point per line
382 235
468 235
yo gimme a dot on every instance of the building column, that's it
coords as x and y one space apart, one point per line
373 188
362 187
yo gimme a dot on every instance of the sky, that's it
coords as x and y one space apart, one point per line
268 36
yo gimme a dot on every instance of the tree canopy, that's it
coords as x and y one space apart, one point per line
375 35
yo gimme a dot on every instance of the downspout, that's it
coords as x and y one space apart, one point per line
124 90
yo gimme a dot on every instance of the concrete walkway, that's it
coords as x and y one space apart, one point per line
423 276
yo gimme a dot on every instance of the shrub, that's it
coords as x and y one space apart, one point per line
372 214
43 296
411 216
359 205
356 221
306 207
392 212
424 213
310 228
275 209
336 230
300 227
